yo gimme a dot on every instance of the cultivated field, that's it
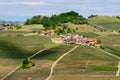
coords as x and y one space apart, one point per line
14 49
34 27
107 22
86 61
43 63
12 33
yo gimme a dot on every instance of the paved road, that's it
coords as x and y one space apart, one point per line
54 64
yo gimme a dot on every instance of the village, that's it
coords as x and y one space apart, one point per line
67 39
73 38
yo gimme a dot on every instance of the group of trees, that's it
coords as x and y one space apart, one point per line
57 20
92 16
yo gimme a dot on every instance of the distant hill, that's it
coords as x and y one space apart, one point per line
107 22
10 22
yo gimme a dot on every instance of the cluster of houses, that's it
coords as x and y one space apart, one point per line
47 32
78 39
7 27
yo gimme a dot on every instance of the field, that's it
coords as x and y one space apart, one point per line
34 27
107 22
82 28
112 39
86 61
12 33
14 49
43 63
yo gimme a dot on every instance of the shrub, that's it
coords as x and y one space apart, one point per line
9 35
27 64
19 34
102 47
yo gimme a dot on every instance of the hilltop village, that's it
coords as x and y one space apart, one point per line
73 38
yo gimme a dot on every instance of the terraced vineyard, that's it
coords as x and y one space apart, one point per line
86 61
14 49
107 22
43 63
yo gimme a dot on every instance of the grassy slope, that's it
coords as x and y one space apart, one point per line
22 47
53 53
43 63
11 33
109 23
74 64
33 43
82 28
111 43
31 27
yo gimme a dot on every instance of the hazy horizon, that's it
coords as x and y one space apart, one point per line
20 10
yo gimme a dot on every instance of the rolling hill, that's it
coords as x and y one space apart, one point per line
106 22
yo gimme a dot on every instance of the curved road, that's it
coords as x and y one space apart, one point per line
54 64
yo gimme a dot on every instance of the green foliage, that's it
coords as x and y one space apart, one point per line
118 17
18 27
56 20
68 30
92 16
98 41
104 68
26 64
102 47
59 31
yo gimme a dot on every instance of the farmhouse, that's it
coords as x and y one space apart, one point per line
78 39
47 32
10 27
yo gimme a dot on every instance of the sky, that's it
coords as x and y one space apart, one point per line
20 10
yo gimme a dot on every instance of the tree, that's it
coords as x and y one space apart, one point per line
18 27
92 16
98 41
56 20
27 64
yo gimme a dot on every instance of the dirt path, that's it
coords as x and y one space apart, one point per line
108 53
96 25
54 64
21 64
87 64
118 71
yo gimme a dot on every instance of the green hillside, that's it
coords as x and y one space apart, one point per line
107 22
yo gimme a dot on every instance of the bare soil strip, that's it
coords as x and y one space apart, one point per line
54 64
21 64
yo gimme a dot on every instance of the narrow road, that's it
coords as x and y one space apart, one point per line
118 71
87 64
108 53
96 25
54 64
21 64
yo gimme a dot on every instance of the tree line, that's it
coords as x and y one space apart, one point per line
57 20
